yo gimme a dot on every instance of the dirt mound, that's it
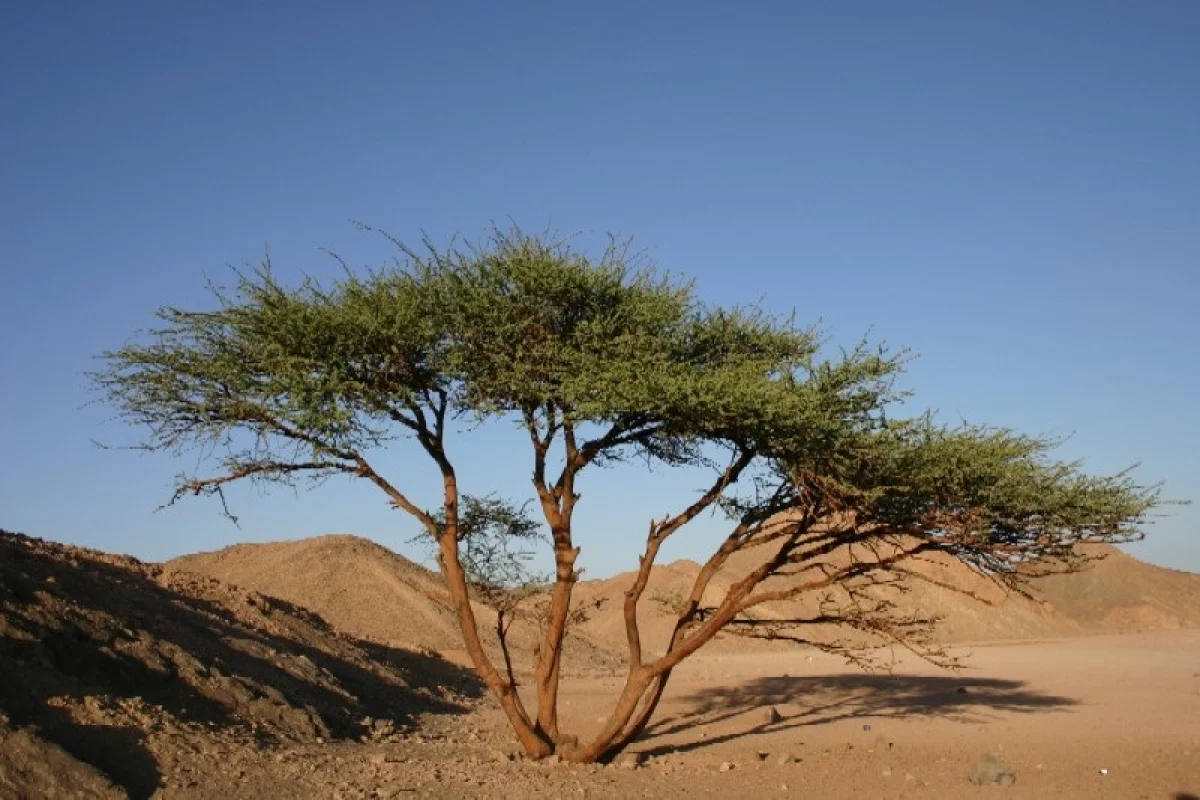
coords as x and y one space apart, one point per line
32 767
355 584
963 618
373 593
368 591
117 659
1120 594
1117 594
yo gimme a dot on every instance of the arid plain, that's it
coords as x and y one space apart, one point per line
329 668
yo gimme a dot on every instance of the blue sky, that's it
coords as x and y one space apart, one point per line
1010 189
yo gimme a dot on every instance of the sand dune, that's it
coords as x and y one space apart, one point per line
366 589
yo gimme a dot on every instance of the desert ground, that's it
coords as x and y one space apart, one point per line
326 668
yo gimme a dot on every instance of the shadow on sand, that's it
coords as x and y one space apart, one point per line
86 628
820 700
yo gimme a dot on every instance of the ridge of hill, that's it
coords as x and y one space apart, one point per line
962 618
1120 593
371 592
355 584
1116 593
110 663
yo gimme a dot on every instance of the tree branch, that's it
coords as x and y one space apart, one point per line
398 498
659 533
200 486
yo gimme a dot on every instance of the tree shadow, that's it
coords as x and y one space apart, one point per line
134 644
820 700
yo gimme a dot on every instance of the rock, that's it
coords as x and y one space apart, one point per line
630 761
992 771
552 761
770 715
784 759
501 756
727 766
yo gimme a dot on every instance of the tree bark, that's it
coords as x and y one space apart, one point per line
627 703
534 745
549 667
456 581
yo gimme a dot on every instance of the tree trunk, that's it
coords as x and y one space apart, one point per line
627 704
550 661
641 717
535 746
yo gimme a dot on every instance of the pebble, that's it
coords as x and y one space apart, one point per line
770 715
991 770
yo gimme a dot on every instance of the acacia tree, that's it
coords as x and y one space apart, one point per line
604 362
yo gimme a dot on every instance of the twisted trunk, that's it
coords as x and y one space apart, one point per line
549 667
504 690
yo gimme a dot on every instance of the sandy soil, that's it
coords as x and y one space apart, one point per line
1056 712
122 679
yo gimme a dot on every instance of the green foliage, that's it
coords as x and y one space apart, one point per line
602 361
495 537
999 486
309 380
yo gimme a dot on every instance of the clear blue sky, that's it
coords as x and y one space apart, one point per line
1011 189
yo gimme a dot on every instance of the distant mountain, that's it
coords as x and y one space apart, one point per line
371 592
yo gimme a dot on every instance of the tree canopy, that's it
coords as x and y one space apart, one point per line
606 361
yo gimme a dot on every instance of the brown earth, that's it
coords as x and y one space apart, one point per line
126 679
1122 594
358 585
368 591
115 663
1116 594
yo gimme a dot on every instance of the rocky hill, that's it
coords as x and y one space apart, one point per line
120 677
368 591
371 592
